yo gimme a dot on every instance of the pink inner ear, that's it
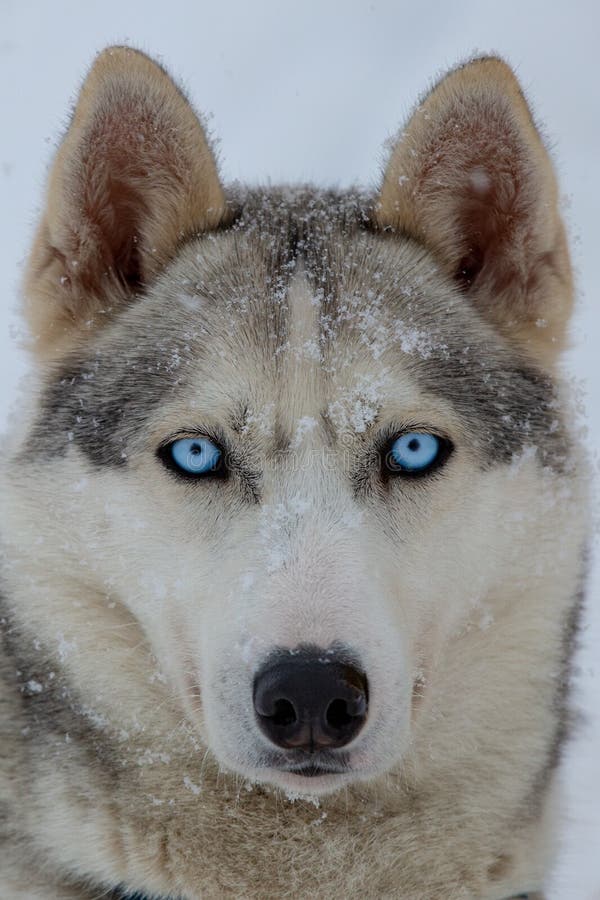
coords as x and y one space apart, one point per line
491 216
116 219
116 189
475 214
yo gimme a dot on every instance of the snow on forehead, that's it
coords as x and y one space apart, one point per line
301 272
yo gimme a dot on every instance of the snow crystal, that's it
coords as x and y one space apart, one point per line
480 180
320 820
65 647
275 526
357 408
192 302
519 460
190 785
353 518
261 420
149 758
310 350
416 341
304 426
298 796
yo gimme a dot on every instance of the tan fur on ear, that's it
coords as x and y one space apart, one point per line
132 177
471 179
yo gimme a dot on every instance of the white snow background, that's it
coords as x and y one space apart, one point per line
310 91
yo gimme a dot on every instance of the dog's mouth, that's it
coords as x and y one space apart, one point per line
307 781
314 770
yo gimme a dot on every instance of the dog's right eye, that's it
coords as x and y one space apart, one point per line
416 453
193 457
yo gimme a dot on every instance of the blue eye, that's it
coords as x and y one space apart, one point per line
416 452
194 456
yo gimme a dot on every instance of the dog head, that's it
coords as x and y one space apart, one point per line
293 448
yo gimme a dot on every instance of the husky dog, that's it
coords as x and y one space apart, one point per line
293 524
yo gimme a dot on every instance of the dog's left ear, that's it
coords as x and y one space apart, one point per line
470 178
133 176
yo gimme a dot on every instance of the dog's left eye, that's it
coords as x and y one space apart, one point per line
193 456
415 453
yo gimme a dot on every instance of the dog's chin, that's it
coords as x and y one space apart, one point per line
306 783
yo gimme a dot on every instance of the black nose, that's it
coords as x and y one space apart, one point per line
310 700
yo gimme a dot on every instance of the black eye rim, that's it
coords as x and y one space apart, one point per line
391 469
164 453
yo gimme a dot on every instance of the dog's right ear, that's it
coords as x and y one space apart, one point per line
471 180
133 176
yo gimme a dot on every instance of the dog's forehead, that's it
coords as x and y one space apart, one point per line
302 284
301 310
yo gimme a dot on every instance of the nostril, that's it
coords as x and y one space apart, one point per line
347 711
283 713
338 715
